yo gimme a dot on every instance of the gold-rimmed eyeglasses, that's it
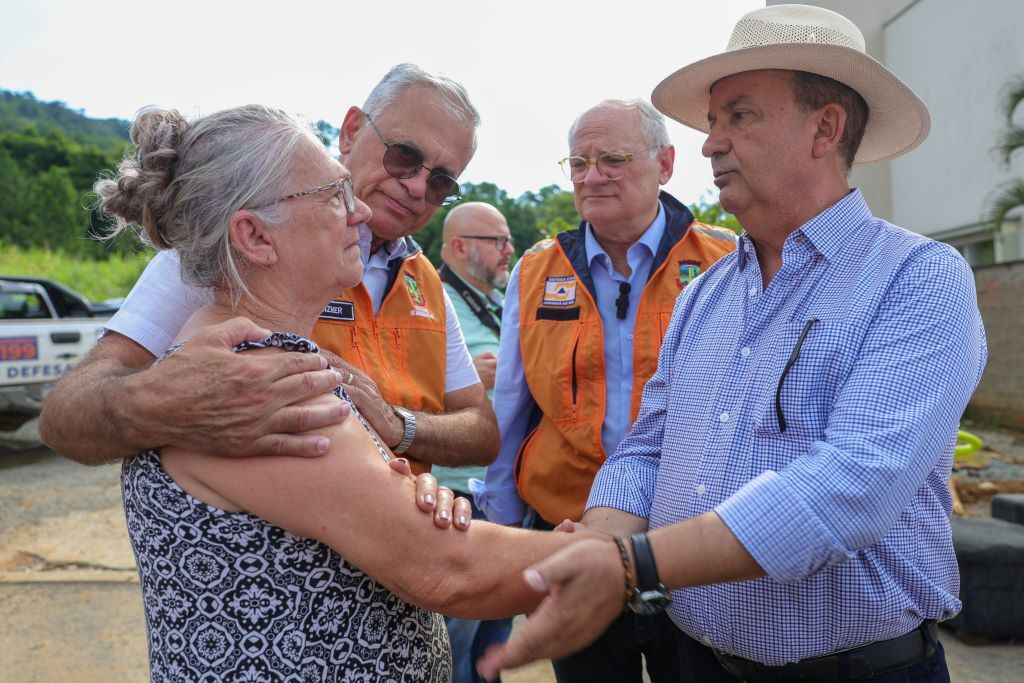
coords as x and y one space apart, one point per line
343 185
611 165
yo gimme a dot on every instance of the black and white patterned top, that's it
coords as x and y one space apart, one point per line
230 597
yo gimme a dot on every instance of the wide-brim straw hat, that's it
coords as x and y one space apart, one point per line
804 38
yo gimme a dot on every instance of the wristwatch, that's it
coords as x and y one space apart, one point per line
409 420
650 595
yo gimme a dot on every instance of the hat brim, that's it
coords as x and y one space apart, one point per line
898 120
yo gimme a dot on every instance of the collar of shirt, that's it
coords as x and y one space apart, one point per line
389 251
649 241
826 233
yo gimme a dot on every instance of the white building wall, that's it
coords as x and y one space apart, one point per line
957 56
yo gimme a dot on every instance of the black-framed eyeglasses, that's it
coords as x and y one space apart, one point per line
785 371
611 165
343 185
499 242
404 161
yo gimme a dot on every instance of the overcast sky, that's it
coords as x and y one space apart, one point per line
530 66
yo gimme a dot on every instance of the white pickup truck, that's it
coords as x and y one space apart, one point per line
45 328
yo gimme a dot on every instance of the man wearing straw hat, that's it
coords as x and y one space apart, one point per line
798 511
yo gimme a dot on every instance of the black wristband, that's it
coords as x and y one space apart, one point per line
643 561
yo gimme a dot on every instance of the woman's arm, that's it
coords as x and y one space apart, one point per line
351 500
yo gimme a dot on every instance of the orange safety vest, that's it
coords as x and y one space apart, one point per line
561 337
403 348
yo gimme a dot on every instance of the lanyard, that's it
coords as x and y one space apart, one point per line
475 302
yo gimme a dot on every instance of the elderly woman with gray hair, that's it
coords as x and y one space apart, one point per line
285 568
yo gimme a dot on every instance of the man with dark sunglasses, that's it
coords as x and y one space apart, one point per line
402 356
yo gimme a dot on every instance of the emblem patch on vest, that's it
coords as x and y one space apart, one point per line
413 288
339 310
419 303
688 270
560 291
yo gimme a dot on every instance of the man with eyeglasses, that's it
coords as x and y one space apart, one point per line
583 321
402 357
476 252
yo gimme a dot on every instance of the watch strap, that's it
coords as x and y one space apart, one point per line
643 559
409 424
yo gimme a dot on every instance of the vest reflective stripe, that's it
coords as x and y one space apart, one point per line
404 347
561 337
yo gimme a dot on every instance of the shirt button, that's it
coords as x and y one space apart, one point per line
724 417
706 640
752 291
745 351
747 247
701 489
629 337
799 239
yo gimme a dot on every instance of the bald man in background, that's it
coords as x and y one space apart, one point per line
476 253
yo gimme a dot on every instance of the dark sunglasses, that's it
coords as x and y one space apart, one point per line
402 161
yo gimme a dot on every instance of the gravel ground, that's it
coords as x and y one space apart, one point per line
71 607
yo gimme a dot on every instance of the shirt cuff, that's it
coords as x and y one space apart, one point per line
779 530
618 486
501 505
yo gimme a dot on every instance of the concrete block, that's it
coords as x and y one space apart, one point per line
1008 507
990 553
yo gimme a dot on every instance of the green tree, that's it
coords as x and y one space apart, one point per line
1010 195
531 217
710 211
328 133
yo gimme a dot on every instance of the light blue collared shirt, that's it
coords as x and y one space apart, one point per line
512 401
847 509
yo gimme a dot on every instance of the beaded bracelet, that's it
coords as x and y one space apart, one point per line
628 567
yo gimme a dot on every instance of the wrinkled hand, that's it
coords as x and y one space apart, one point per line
364 393
241 404
584 583
486 365
448 510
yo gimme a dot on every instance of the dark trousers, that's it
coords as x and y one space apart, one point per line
615 657
698 663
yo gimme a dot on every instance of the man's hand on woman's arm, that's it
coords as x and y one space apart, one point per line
203 397
440 500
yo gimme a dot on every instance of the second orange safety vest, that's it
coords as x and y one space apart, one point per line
561 337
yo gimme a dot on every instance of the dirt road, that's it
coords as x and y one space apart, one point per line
70 607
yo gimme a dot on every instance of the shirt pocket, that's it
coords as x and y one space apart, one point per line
800 388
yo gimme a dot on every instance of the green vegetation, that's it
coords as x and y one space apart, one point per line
531 217
710 211
108 278
50 156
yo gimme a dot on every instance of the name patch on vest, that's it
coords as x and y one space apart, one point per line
339 310
560 291
560 314
688 270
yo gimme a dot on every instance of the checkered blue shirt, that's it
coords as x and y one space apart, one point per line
847 510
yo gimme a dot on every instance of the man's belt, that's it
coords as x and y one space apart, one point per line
851 665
